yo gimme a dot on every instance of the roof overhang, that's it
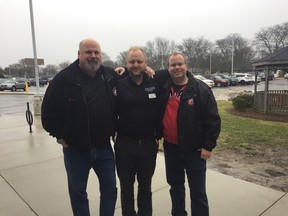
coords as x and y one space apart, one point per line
278 59
269 63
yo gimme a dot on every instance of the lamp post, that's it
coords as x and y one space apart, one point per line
37 97
210 62
34 48
232 56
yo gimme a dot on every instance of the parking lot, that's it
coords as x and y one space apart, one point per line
223 93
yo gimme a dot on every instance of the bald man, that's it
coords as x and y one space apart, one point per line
78 110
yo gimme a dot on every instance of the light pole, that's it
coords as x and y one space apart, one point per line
34 48
232 57
210 62
37 97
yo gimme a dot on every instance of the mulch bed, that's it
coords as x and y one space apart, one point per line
250 113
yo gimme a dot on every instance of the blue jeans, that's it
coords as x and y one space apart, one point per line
176 164
78 165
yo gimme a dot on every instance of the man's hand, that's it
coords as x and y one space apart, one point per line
205 154
150 72
120 70
62 142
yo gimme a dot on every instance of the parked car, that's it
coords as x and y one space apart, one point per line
42 82
253 74
244 78
233 81
262 76
208 82
13 85
2 80
219 81
286 76
258 79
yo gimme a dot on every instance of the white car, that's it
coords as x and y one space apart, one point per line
13 85
258 79
208 82
244 78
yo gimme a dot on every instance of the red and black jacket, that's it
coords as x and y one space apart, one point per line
198 120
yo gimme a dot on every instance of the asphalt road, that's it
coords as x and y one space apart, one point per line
16 102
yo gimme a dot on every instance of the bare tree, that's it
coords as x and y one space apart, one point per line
156 51
63 65
121 58
105 57
163 48
196 51
1 73
110 63
150 53
20 69
50 70
243 54
269 40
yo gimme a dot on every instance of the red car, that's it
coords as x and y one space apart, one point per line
219 81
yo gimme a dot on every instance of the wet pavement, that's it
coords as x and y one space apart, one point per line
33 180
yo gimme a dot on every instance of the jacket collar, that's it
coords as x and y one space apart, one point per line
75 74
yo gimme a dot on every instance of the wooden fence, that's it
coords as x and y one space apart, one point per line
277 101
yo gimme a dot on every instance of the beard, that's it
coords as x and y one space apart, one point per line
92 65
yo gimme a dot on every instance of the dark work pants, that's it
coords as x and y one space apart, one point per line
135 160
176 164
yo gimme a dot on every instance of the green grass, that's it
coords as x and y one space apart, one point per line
239 132
245 134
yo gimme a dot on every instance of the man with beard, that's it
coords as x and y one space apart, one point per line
78 110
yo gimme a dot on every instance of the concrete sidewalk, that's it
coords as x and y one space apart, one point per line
33 181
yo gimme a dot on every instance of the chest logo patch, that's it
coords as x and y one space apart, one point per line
190 102
114 91
150 89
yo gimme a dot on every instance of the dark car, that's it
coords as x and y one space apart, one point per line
219 81
233 81
42 82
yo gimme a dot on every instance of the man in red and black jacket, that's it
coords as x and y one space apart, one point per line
190 124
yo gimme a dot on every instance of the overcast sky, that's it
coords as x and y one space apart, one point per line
119 24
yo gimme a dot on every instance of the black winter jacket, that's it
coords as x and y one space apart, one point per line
64 112
198 120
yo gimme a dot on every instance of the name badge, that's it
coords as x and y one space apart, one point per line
152 95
